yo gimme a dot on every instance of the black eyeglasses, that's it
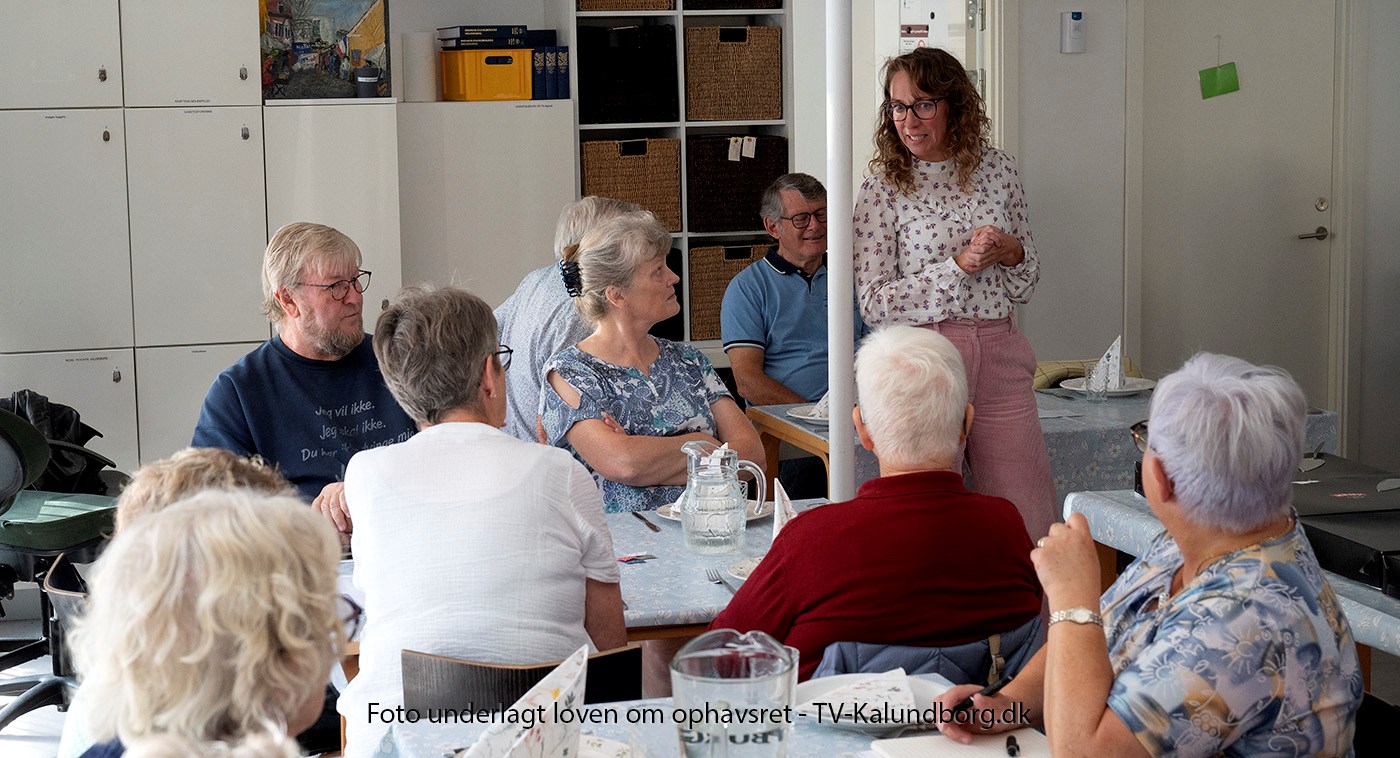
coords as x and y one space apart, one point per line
1139 432
801 220
351 614
923 109
341 288
505 352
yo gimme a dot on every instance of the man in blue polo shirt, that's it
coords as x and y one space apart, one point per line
773 319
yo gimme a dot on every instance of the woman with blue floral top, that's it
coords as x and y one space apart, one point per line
1224 637
622 400
942 241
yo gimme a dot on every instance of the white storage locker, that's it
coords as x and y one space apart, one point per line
172 382
100 384
176 52
61 54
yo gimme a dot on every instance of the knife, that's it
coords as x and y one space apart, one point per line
644 520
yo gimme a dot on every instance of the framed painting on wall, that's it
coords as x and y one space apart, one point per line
324 48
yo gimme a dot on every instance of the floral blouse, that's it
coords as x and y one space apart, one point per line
674 398
904 245
1253 658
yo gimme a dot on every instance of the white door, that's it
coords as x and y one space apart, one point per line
66 281
61 54
1230 182
339 165
100 384
198 224
176 52
170 391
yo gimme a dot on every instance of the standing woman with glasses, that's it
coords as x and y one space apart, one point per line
512 559
942 240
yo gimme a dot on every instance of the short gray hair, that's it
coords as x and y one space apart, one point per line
913 394
1230 436
609 256
298 248
584 214
805 184
432 343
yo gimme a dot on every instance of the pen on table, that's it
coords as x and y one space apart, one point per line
644 520
1011 747
987 691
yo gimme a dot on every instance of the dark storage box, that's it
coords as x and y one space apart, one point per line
724 195
710 270
733 73
642 171
627 74
626 5
715 5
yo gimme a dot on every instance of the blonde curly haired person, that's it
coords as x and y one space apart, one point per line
211 627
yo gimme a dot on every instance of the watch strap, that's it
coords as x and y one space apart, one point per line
1079 615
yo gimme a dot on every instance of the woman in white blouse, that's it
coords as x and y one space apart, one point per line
942 241
468 542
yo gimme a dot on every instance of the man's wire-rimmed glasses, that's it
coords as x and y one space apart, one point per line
341 288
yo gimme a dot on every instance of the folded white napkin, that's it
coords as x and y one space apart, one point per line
822 407
1108 374
782 508
888 689
528 728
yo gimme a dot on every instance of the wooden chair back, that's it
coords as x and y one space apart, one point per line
443 682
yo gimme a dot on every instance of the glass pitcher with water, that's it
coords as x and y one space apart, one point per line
714 506
733 695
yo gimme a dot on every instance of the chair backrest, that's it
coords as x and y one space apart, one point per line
981 662
443 682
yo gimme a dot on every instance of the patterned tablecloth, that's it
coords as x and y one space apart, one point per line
1122 520
1091 450
672 588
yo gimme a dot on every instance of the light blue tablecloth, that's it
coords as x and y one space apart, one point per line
1122 520
1089 452
672 588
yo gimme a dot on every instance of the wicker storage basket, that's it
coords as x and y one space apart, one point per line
714 5
642 171
628 5
725 195
627 74
733 73
710 270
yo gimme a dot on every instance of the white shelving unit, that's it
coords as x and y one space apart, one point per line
682 129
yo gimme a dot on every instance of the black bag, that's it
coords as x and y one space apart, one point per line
72 467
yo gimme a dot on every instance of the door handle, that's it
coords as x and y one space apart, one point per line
1320 234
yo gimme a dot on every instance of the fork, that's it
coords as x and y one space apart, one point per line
714 576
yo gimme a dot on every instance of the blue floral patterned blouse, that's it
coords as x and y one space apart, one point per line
1253 658
673 398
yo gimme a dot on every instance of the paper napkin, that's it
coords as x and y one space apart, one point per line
540 735
889 690
822 407
1109 373
782 508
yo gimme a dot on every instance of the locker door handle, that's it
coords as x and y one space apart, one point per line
116 376
243 73
1320 233
101 74
106 136
245 132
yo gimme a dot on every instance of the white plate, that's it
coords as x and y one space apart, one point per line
593 746
742 569
1131 386
804 413
670 513
813 689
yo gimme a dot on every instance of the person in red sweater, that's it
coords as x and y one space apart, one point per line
916 558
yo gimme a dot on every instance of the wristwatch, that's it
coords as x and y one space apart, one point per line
1077 616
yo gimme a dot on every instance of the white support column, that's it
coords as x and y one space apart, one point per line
840 367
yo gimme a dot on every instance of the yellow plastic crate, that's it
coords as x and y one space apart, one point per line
486 74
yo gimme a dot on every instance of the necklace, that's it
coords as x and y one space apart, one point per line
1167 593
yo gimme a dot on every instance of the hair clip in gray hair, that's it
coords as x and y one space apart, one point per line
573 280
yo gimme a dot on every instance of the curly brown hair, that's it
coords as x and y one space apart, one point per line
939 74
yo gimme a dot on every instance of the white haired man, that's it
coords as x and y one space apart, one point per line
539 318
1224 638
312 396
915 559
